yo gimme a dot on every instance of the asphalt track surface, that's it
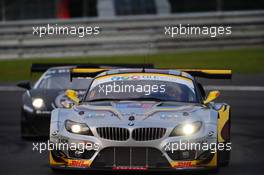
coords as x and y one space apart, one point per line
247 133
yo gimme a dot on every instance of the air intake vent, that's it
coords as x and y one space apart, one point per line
146 134
113 133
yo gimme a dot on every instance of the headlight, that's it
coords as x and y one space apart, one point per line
186 129
77 128
38 103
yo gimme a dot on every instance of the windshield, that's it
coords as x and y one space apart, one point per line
62 81
142 86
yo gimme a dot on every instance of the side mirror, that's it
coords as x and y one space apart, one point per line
24 85
71 94
211 96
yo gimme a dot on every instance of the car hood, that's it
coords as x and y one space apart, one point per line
139 113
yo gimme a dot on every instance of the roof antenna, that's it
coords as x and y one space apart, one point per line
143 69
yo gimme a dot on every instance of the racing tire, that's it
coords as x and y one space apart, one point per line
24 130
223 158
224 155
57 171
215 170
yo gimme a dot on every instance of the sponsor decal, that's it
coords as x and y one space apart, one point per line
147 105
183 164
130 77
43 112
139 76
169 116
58 71
79 163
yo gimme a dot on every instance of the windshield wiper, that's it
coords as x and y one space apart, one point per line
102 99
146 99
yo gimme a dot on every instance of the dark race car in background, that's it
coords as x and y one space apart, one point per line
45 95
48 93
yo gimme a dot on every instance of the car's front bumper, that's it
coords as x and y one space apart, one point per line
84 164
150 155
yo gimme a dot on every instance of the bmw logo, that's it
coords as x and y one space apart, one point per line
131 123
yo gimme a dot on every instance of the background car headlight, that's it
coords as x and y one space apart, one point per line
77 128
186 129
38 103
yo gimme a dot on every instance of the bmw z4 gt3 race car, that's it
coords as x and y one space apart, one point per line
142 119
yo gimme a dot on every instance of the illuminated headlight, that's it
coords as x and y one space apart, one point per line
77 128
38 103
186 129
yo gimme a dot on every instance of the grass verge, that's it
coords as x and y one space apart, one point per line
239 60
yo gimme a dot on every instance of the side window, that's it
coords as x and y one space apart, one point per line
201 89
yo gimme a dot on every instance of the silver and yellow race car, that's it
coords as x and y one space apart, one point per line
142 119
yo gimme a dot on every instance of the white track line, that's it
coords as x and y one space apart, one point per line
208 87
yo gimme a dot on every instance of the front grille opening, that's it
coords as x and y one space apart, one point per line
130 157
146 134
113 133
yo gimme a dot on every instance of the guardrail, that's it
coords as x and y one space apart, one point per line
130 35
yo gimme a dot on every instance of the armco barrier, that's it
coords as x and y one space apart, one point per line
131 35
